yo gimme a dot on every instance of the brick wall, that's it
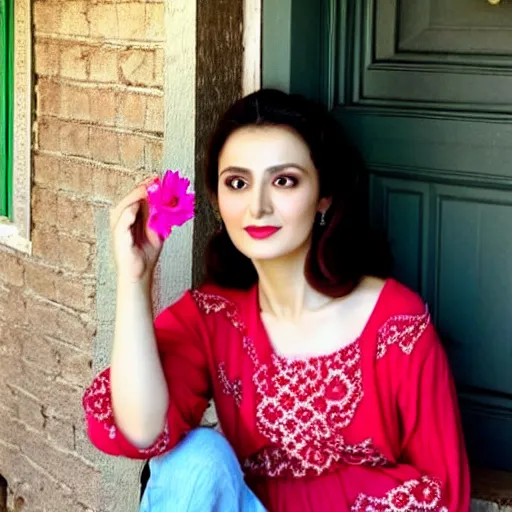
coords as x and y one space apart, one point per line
99 130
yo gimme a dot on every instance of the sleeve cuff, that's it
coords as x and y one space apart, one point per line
102 429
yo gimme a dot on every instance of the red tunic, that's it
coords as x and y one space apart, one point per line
371 427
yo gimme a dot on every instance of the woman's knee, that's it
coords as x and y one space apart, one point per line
201 449
200 473
206 438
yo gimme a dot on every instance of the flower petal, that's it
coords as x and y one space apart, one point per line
169 203
169 186
174 186
159 225
154 190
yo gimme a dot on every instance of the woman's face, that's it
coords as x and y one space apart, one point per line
268 191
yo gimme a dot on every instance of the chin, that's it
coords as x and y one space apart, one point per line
263 255
269 250
259 253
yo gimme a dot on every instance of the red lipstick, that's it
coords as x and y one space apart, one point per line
260 232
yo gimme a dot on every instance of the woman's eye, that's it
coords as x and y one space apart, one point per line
236 183
285 181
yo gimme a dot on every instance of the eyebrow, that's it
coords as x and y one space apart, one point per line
272 170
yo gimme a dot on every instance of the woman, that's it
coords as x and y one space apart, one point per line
332 389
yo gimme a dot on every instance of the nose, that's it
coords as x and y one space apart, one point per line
261 203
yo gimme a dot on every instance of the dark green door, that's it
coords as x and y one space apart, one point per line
424 88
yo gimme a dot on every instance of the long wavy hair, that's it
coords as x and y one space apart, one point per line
345 248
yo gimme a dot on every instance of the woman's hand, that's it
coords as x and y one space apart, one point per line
136 246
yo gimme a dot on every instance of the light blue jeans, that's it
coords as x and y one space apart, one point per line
201 474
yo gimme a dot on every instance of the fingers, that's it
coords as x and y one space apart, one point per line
128 217
147 181
137 195
122 232
154 239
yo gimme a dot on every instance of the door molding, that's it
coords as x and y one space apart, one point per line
391 71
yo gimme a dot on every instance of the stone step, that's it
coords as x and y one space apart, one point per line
492 490
488 506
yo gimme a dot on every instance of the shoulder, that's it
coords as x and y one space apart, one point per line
398 299
211 297
198 313
204 305
387 298
218 305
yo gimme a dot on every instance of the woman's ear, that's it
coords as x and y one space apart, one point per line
324 204
214 205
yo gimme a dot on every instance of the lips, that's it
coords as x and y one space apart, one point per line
260 232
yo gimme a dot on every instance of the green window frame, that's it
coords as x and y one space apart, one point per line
6 105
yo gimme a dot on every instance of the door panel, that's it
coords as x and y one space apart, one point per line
434 52
474 281
458 26
401 209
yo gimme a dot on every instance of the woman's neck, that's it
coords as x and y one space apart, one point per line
283 289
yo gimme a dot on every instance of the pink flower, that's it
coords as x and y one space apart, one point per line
169 203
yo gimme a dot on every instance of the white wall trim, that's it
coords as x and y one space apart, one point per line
174 272
16 234
252 46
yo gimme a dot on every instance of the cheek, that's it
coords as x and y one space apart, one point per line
299 208
231 206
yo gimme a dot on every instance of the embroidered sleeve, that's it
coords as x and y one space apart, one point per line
102 428
432 440
180 335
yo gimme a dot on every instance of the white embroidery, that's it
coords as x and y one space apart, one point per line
401 330
421 495
233 388
210 303
277 462
304 405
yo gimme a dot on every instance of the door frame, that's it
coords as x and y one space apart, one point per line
294 33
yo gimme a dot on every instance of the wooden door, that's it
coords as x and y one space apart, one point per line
424 88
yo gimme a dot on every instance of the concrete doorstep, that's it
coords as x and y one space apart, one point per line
491 490
478 505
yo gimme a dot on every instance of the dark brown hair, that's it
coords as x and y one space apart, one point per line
343 250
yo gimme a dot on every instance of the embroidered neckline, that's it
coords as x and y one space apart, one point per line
271 353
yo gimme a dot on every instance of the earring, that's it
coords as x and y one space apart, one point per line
322 219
